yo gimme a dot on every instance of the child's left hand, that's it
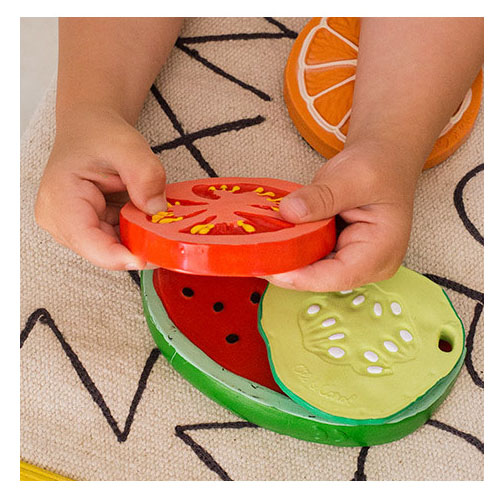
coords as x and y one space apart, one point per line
373 192
411 75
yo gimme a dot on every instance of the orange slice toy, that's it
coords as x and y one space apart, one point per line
319 85
225 227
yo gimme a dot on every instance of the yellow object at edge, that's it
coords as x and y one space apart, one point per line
32 473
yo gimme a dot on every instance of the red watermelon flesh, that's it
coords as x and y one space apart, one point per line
219 315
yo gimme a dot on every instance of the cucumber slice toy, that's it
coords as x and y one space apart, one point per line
376 355
273 410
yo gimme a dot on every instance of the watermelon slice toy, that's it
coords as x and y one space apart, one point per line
428 367
219 316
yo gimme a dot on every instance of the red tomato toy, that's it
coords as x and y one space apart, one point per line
225 227
219 315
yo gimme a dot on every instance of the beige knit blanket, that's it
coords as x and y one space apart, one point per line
98 401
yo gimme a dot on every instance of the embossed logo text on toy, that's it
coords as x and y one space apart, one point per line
226 209
324 390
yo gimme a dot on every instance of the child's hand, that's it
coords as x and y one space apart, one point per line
97 158
374 195
105 70
411 75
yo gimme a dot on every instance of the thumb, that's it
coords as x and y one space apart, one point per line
336 187
145 183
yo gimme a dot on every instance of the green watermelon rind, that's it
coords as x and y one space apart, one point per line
260 405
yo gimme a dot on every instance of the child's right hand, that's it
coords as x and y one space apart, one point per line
98 162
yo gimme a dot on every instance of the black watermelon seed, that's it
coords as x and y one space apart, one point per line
232 338
255 297
187 292
218 306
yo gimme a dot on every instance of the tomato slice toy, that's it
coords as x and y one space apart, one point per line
225 227
219 316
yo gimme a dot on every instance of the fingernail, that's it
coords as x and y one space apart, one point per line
297 206
157 204
132 266
285 278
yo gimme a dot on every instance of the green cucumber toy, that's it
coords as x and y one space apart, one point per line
368 355
294 415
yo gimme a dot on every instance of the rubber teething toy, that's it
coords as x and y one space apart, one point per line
375 354
425 372
319 85
226 227
219 316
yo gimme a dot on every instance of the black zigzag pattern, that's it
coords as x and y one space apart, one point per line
43 316
183 44
202 453
458 200
188 139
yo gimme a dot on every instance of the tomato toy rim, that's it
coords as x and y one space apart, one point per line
226 255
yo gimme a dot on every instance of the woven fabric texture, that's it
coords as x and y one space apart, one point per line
98 401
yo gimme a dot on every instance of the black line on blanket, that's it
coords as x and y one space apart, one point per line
231 37
469 344
360 475
479 298
287 31
473 440
45 318
183 42
457 287
195 152
188 139
458 199
201 453
194 54
136 278
233 126
284 33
